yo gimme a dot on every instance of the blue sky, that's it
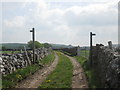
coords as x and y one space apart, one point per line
60 21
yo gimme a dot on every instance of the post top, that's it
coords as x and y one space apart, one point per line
94 34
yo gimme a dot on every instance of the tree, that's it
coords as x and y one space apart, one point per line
37 44
3 47
46 45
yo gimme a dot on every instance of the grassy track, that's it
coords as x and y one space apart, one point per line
93 81
61 77
12 79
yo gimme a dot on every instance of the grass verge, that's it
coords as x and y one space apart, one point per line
93 80
11 80
61 77
48 59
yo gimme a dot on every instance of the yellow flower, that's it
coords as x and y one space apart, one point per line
19 76
48 81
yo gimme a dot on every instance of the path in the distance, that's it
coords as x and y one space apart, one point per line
36 79
79 79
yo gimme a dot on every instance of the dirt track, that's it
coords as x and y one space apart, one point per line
79 79
36 79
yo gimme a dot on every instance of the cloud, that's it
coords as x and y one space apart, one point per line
16 22
70 25
98 14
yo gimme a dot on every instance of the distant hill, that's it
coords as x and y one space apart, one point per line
58 46
21 46
116 45
14 45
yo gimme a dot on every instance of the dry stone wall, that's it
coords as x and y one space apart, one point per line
9 63
107 63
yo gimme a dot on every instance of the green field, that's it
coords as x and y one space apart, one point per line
9 52
14 45
61 77
84 53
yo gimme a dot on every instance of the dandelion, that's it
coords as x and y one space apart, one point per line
48 81
19 76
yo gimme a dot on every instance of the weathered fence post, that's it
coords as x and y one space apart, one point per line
21 51
28 60
110 44
85 53
78 51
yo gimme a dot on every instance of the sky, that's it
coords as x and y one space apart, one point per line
59 21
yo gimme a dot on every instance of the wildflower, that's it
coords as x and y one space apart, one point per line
48 81
19 76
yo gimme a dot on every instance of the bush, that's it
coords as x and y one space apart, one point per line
37 44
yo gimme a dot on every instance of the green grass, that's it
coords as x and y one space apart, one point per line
84 53
61 77
48 59
65 52
93 80
11 80
9 52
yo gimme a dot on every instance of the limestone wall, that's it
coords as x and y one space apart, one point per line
10 63
107 63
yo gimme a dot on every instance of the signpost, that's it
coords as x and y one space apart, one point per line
91 34
33 36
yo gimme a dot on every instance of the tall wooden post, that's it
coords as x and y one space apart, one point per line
85 53
33 36
91 47
78 51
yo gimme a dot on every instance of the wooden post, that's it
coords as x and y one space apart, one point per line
78 51
110 44
91 47
33 36
85 53
28 60
33 46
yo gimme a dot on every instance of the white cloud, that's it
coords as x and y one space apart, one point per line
70 25
16 22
